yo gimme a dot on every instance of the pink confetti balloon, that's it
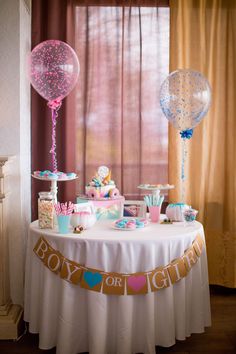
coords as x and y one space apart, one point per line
54 69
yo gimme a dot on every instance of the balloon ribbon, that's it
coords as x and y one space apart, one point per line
183 177
185 134
54 106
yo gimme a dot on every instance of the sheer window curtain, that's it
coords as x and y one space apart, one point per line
123 52
202 37
113 115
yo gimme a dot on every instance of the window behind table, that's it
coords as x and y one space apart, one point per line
124 57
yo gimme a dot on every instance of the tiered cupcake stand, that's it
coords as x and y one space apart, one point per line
155 189
54 187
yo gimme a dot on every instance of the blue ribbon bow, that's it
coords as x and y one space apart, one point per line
186 134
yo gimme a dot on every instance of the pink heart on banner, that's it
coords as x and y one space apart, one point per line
136 282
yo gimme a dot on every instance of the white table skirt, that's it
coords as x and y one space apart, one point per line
77 320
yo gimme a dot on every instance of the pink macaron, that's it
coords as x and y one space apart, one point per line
130 225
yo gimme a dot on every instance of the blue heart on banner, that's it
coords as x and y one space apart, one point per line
92 279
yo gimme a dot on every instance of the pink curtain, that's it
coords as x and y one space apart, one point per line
123 53
113 116
53 19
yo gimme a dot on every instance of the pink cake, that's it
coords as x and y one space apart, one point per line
101 186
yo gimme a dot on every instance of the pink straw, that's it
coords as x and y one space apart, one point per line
64 208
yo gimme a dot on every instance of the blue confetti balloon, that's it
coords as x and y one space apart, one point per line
185 98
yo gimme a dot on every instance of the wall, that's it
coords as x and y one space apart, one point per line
15 45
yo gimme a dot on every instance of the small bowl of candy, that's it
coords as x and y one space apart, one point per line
129 224
190 215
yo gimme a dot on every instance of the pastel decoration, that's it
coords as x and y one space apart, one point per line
113 284
63 176
103 171
198 244
71 175
159 279
154 199
92 280
190 258
53 71
190 215
64 209
185 97
137 284
155 213
84 218
53 261
42 248
52 175
186 134
93 194
109 212
175 211
113 193
71 271
107 179
51 258
140 224
130 223
63 223
109 208
176 270
103 184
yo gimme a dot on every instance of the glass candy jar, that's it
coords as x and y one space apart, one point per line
190 216
45 210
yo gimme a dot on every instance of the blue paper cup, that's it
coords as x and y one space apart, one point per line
63 223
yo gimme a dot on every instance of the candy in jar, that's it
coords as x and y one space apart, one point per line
190 215
45 210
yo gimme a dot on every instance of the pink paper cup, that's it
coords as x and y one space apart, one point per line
155 212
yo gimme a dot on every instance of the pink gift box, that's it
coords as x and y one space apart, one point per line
106 208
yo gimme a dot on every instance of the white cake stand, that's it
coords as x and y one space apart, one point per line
54 187
155 189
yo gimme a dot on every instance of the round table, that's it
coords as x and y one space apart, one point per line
78 320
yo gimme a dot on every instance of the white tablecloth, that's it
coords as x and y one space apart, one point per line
78 320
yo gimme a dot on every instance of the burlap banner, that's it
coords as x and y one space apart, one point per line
119 283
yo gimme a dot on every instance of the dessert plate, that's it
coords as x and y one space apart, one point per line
130 224
152 187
